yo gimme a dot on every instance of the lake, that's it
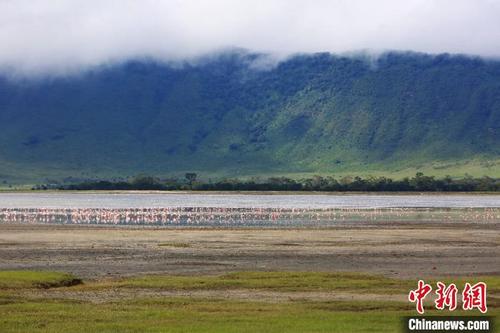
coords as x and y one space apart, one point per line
302 201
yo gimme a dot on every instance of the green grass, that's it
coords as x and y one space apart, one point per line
193 315
493 282
275 281
198 315
44 314
457 169
283 282
36 279
272 281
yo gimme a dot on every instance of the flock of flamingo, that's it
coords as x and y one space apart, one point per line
206 216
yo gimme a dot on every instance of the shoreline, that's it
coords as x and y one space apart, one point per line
167 192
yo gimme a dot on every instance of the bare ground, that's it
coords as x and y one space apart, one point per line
401 250
417 249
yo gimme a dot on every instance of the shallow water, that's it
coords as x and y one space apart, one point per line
301 201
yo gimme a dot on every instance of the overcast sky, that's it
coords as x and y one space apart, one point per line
57 36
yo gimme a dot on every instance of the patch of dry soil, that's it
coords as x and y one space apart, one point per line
405 250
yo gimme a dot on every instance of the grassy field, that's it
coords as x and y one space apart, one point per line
272 281
35 279
21 179
43 302
282 282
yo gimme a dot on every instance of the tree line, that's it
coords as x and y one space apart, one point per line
418 183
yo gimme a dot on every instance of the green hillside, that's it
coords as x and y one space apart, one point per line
223 117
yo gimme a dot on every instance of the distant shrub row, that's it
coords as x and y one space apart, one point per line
419 182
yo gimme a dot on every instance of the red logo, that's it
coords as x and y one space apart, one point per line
418 295
447 296
473 297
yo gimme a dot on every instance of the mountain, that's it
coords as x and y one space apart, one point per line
229 116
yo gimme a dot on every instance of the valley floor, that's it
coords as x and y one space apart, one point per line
396 249
353 278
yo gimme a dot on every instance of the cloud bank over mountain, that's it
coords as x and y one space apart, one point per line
61 36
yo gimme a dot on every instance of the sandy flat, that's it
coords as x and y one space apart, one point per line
404 249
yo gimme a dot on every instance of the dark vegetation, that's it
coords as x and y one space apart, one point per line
310 114
36 279
419 182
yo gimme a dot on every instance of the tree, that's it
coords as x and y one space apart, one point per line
191 178
146 183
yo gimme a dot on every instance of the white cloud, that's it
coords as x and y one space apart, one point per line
56 36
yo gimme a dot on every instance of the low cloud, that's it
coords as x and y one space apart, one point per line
64 36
